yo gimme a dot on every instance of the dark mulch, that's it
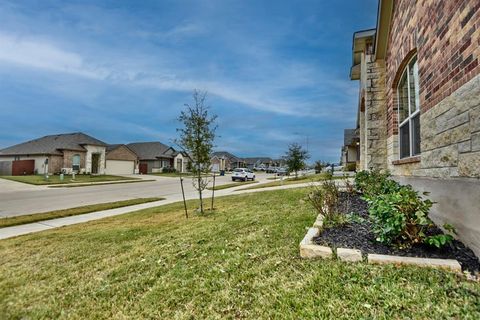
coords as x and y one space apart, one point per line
360 236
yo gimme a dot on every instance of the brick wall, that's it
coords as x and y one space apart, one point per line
121 153
446 35
68 157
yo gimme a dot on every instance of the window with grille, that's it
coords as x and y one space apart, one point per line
408 94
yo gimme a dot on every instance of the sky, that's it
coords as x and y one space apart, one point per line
276 72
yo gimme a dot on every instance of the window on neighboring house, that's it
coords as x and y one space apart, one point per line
409 110
76 162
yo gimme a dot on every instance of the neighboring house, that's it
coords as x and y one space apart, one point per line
154 156
258 162
419 103
222 160
350 149
120 160
71 152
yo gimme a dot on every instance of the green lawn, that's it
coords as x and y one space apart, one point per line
231 185
14 221
171 174
292 180
241 261
55 179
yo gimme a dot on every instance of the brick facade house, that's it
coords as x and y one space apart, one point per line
419 103
70 152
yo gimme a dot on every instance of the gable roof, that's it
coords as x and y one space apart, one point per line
151 150
226 155
254 160
53 144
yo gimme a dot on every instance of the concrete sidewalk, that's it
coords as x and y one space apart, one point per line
19 230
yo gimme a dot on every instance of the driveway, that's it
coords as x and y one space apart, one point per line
20 199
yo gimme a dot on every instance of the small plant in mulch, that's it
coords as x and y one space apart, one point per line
387 218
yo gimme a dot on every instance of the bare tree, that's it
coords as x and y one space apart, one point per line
196 139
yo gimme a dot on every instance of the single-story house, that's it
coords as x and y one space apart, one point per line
71 152
258 162
350 149
222 160
419 104
120 160
154 156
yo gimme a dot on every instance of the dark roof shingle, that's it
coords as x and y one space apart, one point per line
151 150
53 144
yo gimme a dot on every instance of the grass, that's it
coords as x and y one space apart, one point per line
231 185
171 174
29 218
240 261
55 179
287 181
98 183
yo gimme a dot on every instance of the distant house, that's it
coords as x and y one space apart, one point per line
120 160
351 148
258 162
419 104
222 160
154 156
71 152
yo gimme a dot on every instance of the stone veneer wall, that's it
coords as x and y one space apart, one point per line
375 115
450 134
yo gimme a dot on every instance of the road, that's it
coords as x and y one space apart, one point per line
20 199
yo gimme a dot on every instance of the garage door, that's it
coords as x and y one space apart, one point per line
120 167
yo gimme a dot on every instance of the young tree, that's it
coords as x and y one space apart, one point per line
196 138
295 158
319 165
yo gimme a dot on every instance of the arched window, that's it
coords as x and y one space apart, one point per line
76 162
408 94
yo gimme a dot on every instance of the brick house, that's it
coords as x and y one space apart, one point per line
120 160
154 156
222 160
77 152
419 103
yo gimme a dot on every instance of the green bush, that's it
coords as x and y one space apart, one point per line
374 183
400 217
168 170
352 166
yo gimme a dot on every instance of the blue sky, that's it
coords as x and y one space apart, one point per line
276 72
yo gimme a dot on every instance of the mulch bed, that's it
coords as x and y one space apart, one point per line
360 236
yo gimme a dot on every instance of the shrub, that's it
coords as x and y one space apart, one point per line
352 166
375 182
400 217
324 199
168 170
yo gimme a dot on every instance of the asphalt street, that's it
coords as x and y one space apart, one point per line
20 199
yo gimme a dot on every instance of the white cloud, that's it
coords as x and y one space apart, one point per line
268 94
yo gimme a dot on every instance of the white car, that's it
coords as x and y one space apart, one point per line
242 174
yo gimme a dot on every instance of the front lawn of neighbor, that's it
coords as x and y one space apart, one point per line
293 180
29 218
231 185
55 179
241 261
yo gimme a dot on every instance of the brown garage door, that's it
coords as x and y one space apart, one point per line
22 167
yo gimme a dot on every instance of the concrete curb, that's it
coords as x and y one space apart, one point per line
447 264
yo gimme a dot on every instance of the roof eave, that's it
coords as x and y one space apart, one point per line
384 17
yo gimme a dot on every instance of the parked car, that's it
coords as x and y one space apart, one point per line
242 174
271 170
282 172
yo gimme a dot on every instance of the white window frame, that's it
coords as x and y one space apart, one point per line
410 116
